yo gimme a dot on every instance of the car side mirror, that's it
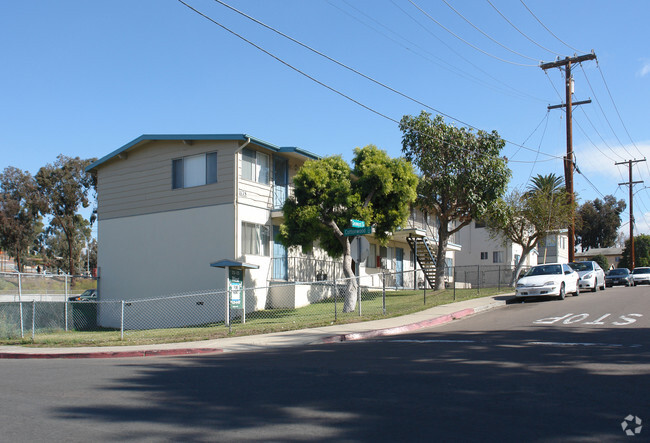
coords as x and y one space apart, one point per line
567 272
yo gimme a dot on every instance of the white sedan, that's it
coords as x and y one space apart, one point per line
591 275
551 279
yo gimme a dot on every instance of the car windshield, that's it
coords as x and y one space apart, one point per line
582 266
618 272
544 270
641 271
88 292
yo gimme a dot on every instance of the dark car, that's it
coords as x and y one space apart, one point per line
87 295
619 276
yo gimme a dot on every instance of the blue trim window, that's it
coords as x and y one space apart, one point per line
194 170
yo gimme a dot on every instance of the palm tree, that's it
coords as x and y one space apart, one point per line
549 184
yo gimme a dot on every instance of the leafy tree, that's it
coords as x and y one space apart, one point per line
641 252
597 222
602 261
64 187
462 174
328 194
525 218
57 251
20 222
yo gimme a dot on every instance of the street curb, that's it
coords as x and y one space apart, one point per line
114 354
411 327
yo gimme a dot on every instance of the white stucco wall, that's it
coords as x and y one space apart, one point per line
476 240
155 255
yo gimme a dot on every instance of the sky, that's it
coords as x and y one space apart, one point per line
84 78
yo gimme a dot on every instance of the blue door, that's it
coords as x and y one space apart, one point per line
280 271
280 181
399 267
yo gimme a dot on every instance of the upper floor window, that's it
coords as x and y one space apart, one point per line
255 166
497 257
194 170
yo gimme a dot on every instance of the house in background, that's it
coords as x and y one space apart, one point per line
170 205
613 255
479 249
554 248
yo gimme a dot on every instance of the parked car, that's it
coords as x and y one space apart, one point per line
619 276
641 275
552 279
591 275
87 295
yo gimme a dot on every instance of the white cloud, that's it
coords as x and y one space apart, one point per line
599 161
645 68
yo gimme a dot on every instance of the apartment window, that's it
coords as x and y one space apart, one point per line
497 257
255 239
484 255
517 258
479 223
255 166
194 170
372 256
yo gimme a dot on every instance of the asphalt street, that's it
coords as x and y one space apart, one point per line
539 371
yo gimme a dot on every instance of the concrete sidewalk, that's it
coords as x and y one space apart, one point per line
328 334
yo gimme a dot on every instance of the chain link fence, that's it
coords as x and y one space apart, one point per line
279 306
42 287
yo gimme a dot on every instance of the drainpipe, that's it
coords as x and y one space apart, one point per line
236 199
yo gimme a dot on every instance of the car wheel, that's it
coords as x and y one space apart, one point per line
577 293
562 292
595 286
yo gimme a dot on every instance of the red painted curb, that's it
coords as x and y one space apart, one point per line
115 354
400 329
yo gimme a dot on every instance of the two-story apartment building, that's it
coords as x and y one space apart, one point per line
170 205
478 248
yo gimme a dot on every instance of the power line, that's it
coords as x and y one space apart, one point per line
550 32
603 111
539 146
521 32
485 34
326 85
465 41
616 108
478 68
340 64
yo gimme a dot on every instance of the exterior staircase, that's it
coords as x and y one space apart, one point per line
422 248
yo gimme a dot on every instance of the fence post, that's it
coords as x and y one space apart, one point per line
243 303
478 279
33 319
383 290
20 288
66 286
66 314
22 321
499 280
336 293
122 322
454 283
359 291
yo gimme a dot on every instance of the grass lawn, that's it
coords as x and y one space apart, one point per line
260 322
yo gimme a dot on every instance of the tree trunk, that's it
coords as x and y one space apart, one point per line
71 258
519 265
350 284
19 264
443 239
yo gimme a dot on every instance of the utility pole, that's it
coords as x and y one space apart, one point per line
568 160
631 184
